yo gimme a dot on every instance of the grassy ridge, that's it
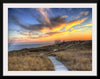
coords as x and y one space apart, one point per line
75 56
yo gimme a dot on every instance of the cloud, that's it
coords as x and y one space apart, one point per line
81 14
28 34
73 23
86 13
44 14
53 33
56 22
46 35
31 35
87 25
73 30
77 17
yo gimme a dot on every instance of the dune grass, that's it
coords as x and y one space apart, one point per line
29 63
76 60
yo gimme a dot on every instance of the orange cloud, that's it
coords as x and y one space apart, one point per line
53 29
82 13
86 13
88 25
45 29
78 17
73 23
59 27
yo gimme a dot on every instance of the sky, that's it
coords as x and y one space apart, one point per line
39 25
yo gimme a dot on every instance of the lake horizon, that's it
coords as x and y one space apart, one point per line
13 46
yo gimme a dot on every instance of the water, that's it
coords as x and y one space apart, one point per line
22 46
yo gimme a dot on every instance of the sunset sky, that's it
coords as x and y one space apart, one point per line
38 25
